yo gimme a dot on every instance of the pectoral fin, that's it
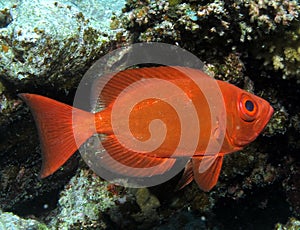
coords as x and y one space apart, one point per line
204 169
208 179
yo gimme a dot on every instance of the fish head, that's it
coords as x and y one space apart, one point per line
247 115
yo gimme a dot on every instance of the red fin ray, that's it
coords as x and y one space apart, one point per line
206 180
187 176
121 80
54 121
127 162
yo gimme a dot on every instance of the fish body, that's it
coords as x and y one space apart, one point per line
143 118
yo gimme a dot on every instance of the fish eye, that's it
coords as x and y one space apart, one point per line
248 108
249 105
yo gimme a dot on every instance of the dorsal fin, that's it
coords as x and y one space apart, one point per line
116 83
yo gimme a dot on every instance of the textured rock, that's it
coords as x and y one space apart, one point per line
82 202
45 47
53 41
292 224
10 221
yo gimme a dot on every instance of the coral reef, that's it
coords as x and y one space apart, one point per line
214 29
283 53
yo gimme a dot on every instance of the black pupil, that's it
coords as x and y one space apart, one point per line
249 105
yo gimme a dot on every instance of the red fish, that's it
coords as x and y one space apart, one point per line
245 116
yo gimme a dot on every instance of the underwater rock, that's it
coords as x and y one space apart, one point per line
148 204
10 221
264 31
82 201
283 53
292 188
184 220
292 224
231 70
54 42
45 47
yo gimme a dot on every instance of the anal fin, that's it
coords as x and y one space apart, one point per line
124 161
187 176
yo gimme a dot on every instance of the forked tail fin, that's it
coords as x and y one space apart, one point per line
55 122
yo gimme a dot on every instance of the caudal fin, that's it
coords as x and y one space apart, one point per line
56 123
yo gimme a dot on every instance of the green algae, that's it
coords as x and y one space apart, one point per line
148 204
174 2
146 200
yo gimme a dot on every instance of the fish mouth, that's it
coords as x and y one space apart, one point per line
258 127
261 125
270 114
